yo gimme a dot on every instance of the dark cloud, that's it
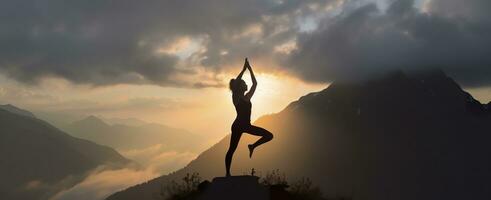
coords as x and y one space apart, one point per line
448 34
105 42
476 10
114 41
85 42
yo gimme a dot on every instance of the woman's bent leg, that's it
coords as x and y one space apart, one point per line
234 141
266 136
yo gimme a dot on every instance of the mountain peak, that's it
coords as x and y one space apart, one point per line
131 121
93 118
91 121
426 90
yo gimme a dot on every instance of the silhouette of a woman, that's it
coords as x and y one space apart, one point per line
242 123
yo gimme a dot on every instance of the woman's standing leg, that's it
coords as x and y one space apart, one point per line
234 141
266 136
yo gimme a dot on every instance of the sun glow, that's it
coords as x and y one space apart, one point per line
207 111
274 92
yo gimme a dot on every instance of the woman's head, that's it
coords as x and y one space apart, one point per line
237 85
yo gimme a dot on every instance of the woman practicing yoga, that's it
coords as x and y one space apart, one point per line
242 123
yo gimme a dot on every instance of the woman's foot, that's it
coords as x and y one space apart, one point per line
228 174
251 150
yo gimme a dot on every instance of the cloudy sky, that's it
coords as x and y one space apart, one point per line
169 60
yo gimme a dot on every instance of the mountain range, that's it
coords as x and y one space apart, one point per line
403 135
38 160
128 137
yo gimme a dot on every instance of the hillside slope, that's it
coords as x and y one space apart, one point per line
11 108
36 157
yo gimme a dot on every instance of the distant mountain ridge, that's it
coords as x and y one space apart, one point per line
400 136
124 121
38 160
11 108
125 137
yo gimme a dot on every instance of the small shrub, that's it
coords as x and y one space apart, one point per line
274 178
303 189
186 189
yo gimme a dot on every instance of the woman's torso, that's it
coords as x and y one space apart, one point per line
243 109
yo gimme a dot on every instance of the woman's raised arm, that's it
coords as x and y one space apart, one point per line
243 70
254 82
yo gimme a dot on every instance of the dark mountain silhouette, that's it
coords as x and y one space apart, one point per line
399 136
38 160
124 137
11 108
